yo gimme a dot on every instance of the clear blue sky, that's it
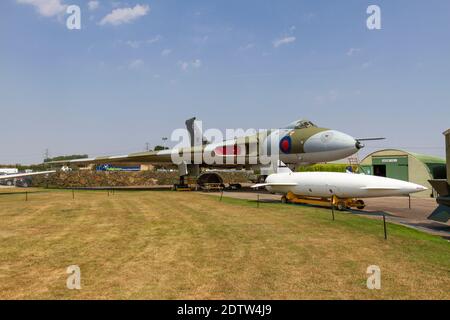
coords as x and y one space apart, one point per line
132 76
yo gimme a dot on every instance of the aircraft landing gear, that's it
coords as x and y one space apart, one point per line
181 186
360 204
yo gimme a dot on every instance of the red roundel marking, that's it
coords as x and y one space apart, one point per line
228 150
285 144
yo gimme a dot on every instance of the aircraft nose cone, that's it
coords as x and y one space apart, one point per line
359 145
331 140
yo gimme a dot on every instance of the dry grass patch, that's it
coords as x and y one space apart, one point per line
169 245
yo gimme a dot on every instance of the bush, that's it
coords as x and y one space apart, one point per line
328 167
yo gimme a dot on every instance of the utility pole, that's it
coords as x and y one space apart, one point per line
147 146
46 154
164 139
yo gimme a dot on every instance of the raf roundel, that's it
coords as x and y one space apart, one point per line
286 144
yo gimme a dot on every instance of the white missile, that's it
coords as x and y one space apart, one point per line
341 185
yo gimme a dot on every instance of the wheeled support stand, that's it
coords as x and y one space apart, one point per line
340 204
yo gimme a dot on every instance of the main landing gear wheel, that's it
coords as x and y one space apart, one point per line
284 199
360 204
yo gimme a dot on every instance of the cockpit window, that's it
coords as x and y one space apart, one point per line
301 124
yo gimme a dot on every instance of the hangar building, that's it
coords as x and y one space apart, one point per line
407 166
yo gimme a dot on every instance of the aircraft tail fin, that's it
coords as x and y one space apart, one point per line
195 132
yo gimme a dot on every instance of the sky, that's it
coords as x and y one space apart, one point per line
136 70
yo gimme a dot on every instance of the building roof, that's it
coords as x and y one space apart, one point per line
421 157
427 159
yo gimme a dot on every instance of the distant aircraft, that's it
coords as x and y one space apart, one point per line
300 143
322 185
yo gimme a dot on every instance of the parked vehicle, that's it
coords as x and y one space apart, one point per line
23 182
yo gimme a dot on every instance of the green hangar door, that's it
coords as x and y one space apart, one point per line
391 167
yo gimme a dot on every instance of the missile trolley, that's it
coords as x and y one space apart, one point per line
340 204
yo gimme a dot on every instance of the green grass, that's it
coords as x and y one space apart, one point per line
175 245
425 243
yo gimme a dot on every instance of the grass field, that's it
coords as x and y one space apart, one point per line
174 245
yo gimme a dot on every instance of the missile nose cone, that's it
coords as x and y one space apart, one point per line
421 188
413 188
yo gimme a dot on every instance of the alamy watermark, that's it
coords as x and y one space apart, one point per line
74 280
73 21
374 20
374 279
235 147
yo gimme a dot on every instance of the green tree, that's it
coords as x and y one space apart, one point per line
159 148
70 157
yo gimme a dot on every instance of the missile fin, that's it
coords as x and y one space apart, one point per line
274 184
